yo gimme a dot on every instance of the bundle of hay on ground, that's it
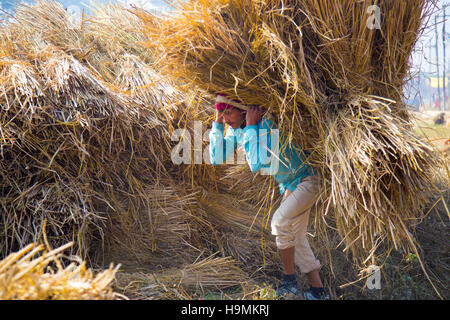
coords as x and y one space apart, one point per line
332 74
241 231
84 126
31 274
167 233
193 280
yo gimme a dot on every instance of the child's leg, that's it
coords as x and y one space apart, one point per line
287 255
287 259
304 257
293 214
314 279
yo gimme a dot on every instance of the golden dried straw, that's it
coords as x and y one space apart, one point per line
26 275
335 87
197 278
84 124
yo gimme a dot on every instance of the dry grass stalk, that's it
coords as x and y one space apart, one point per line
26 275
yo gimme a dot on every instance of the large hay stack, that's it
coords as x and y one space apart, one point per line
80 137
85 128
335 85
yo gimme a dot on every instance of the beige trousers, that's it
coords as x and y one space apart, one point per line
290 221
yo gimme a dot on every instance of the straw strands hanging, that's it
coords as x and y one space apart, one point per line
334 85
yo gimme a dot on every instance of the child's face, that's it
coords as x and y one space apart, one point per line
234 117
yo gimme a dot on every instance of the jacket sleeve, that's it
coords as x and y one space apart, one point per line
220 145
257 145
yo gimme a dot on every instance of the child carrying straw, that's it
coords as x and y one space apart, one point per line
297 181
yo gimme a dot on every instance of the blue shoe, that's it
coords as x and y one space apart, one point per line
311 295
287 288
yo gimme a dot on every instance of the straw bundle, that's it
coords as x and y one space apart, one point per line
241 231
197 278
335 87
237 180
209 272
166 233
25 275
84 128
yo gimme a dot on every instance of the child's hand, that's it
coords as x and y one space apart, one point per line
254 115
219 116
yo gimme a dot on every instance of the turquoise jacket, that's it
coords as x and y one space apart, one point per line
286 163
